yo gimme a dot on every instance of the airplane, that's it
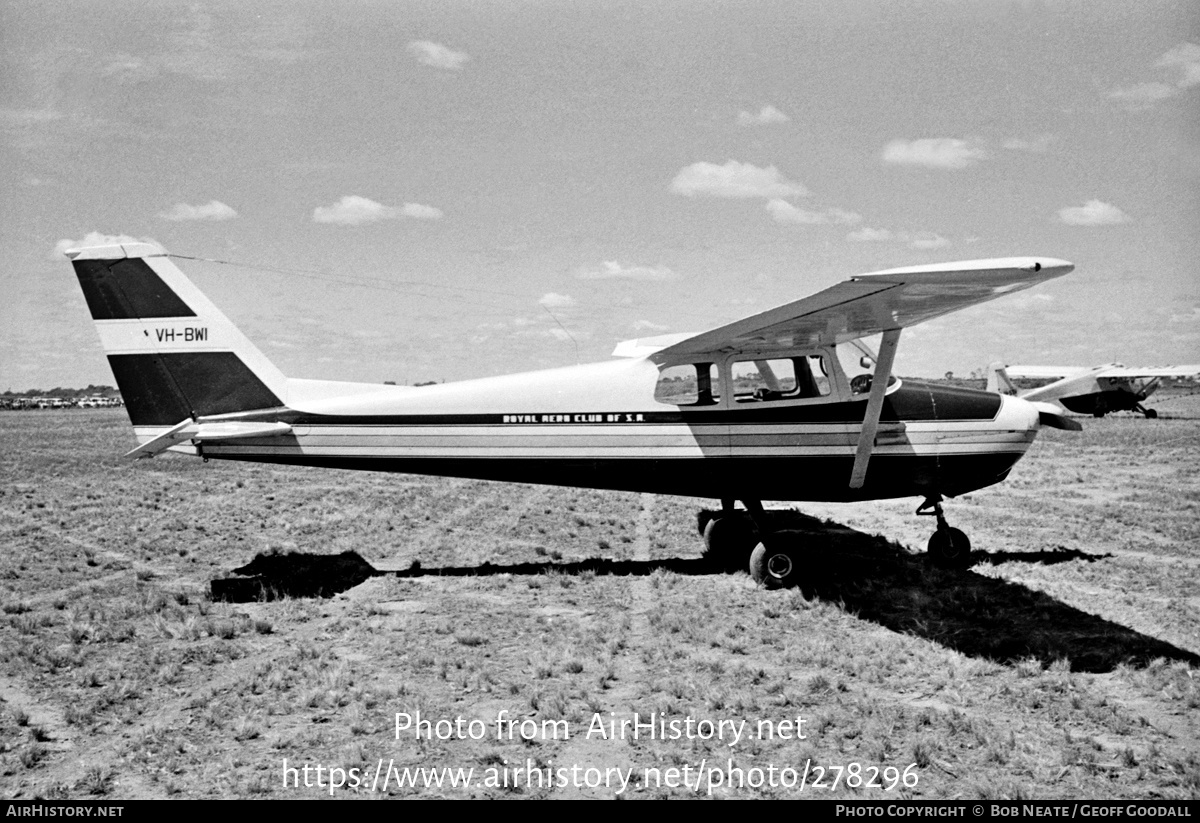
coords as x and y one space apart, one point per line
787 405
1096 391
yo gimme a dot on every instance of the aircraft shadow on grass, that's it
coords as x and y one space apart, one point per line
873 578
1046 557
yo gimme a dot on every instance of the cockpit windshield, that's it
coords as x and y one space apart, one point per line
857 359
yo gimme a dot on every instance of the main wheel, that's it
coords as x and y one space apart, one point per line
776 566
1151 414
950 548
728 542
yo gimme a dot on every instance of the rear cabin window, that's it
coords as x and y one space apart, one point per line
791 378
693 384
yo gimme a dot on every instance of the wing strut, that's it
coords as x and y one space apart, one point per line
879 384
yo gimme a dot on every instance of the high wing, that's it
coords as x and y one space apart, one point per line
1109 370
1117 370
866 305
883 302
1055 372
1077 381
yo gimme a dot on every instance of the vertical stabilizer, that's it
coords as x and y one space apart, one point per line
173 353
998 380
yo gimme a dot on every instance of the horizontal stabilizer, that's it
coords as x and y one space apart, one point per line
207 432
1050 415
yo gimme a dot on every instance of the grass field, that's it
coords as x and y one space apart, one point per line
1064 664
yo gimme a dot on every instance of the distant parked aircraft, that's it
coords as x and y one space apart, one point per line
786 405
1096 391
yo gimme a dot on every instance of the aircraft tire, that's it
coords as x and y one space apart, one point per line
778 567
728 542
1151 414
950 549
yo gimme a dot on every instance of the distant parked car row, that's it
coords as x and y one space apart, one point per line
26 403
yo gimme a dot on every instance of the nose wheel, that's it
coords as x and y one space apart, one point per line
949 548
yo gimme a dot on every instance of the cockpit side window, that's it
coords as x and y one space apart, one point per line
690 384
858 362
792 378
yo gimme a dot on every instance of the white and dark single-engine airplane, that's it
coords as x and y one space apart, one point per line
1096 391
787 405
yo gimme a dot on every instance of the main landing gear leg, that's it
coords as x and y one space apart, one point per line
776 560
1149 414
948 547
729 537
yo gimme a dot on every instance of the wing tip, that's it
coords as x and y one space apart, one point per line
115 251
1045 267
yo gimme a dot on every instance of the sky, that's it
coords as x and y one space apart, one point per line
410 191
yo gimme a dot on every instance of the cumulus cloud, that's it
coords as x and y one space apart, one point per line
915 240
613 270
766 115
933 152
785 212
1143 93
420 212
647 325
212 210
734 180
1092 213
554 300
437 55
1184 62
869 235
95 238
927 240
353 210
1180 65
1039 144
29 117
1185 316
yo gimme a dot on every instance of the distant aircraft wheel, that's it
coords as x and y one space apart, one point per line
777 566
728 542
1151 414
950 548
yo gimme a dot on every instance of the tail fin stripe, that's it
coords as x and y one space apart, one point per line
127 290
160 389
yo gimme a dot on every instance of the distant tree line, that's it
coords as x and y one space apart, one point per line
60 391
62 398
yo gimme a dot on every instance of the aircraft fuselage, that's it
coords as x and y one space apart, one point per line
1117 395
931 439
